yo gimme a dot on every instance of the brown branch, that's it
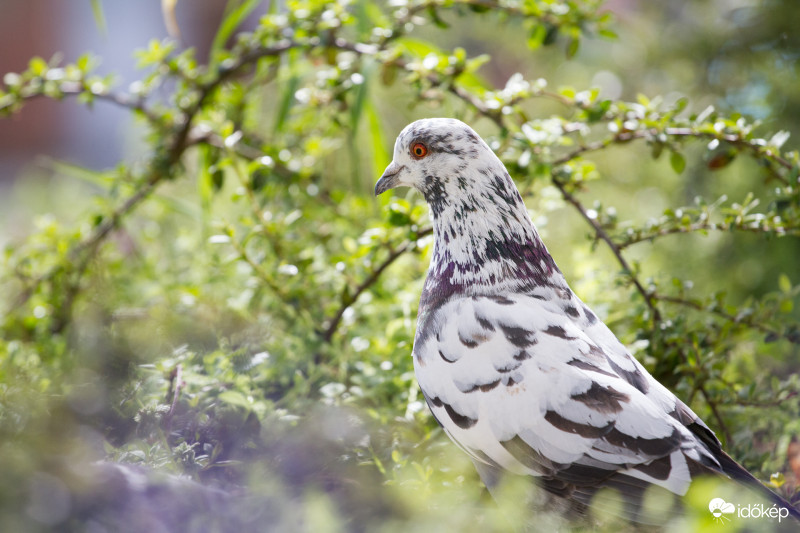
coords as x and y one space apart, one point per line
717 416
76 88
705 226
602 235
176 385
723 314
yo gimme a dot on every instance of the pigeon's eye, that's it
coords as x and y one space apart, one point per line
419 150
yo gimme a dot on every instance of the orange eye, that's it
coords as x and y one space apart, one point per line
419 150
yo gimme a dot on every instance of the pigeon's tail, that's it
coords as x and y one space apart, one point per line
740 473
736 471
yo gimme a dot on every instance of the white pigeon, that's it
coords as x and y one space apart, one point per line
518 371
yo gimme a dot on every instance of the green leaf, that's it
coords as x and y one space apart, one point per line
103 179
37 66
236 399
777 480
608 34
287 98
236 11
436 19
572 47
99 16
677 161
217 179
418 47
537 36
784 283
380 157
204 178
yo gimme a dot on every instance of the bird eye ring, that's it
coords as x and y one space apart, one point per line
419 150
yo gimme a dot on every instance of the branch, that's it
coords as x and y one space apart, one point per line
706 226
725 315
77 88
717 416
176 384
349 299
602 235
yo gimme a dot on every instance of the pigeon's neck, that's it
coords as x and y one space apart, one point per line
485 243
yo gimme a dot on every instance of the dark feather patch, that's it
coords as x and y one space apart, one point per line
522 452
462 421
586 475
446 360
602 399
484 323
469 343
583 365
522 355
558 331
658 468
502 300
682 413
584 430
590 317
485 387
519 337
507 368
634 377
657 447
572 311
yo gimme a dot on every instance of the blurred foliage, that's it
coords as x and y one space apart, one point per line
237 311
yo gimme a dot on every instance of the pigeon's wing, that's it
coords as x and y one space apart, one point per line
535 384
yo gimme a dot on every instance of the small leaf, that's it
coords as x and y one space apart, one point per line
217 179
537 36
784 283
655 152
259 177
37 66
721 159
677 161
572 47
777 480
232 19
235 398
435 18
99 17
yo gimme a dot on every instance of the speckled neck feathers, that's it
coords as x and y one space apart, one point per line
484 241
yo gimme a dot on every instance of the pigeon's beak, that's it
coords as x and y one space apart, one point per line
390 178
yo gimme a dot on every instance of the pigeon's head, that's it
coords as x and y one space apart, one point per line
444 159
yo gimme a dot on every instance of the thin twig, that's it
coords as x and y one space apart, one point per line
349 299
707 226
176 384
717 416
602 235
723 314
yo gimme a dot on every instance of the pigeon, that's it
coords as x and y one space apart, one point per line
517 370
